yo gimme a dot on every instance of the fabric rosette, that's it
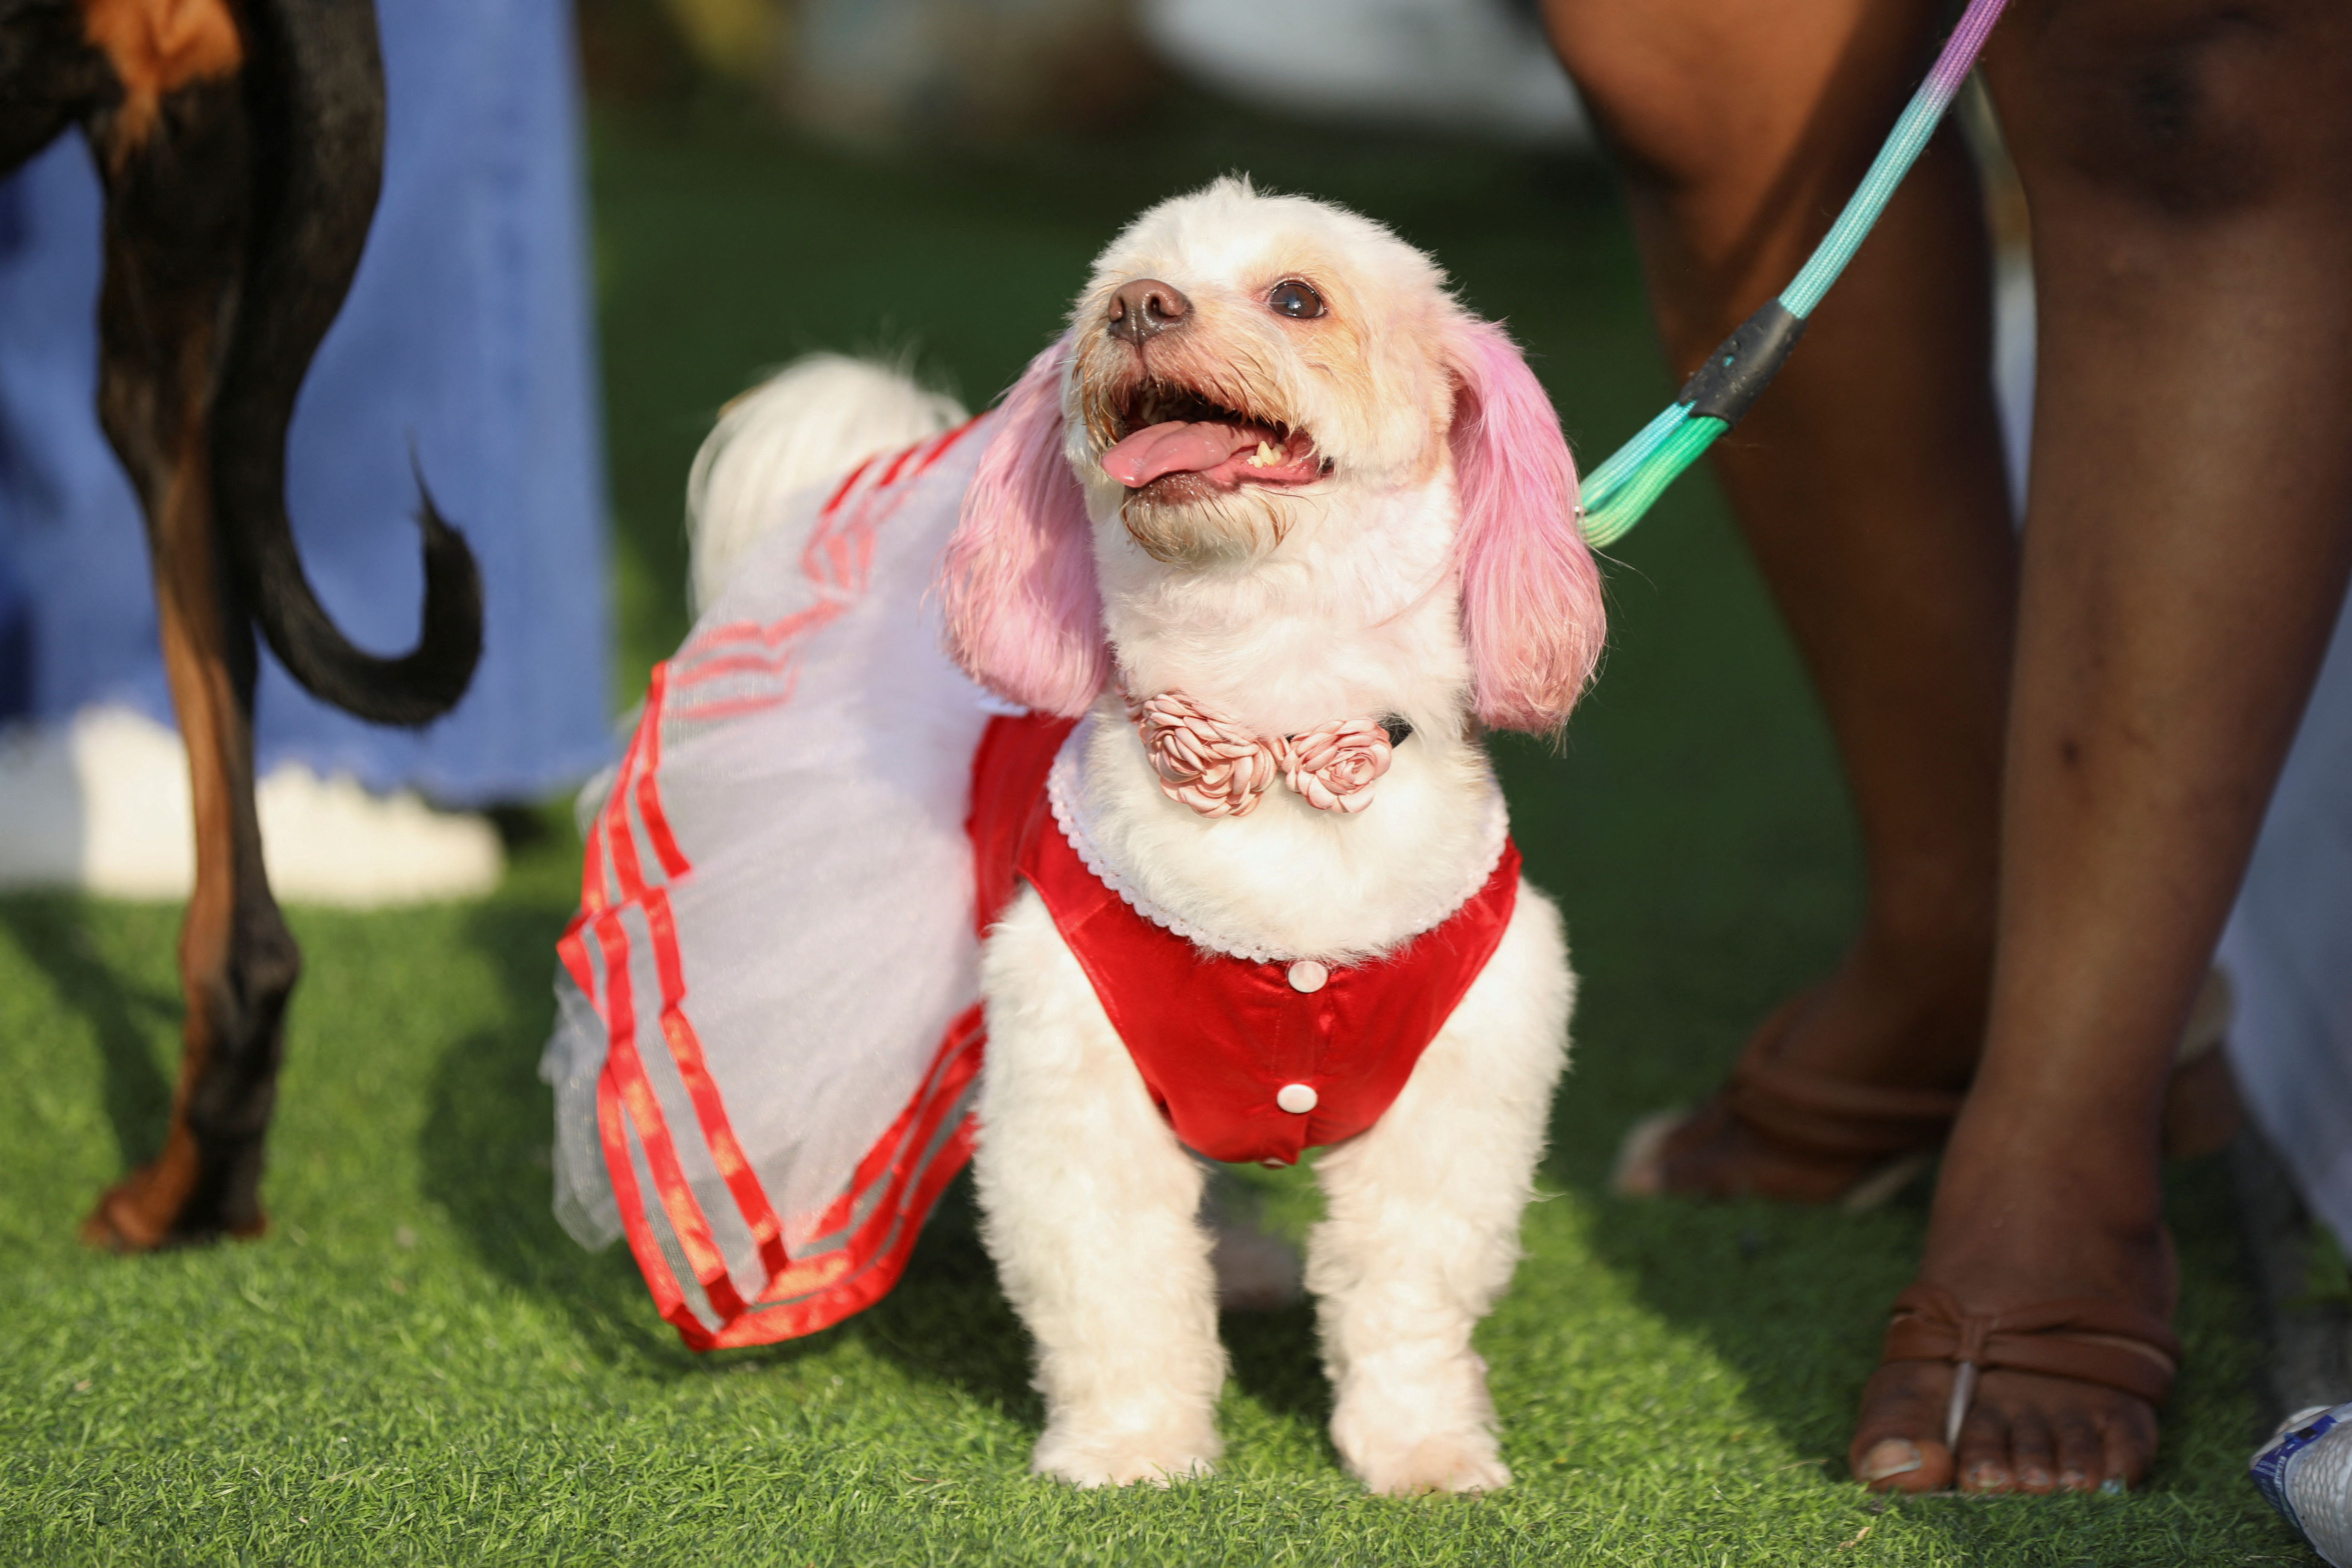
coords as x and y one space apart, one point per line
1334 766
1203 759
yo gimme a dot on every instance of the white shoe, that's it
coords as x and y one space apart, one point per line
1480 67
100 805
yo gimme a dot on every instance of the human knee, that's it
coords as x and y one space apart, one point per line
1653 85
1689 94
2186 108
1708 92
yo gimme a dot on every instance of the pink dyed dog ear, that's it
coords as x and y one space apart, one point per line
1531 608
1016 582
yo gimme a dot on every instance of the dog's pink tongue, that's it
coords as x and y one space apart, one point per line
1178 447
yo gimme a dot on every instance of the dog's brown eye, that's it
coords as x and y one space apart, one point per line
1293 299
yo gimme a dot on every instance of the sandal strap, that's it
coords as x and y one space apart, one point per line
2083 1339
1828 1115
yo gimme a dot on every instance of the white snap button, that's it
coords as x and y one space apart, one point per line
1298 1099
1308 975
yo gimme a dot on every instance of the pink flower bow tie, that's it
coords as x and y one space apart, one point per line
1209 763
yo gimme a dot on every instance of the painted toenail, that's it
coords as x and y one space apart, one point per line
2113 1485
2035 1476
1987 1478
1892 1458
2074 1481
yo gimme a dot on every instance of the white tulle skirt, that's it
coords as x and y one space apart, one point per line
769 1030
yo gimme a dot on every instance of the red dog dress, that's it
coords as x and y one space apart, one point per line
1247 1061
769 1036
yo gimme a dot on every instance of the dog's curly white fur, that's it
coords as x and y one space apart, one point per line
1418 559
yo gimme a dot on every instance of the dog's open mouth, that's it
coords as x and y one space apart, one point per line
1173 440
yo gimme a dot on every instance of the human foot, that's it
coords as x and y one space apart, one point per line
2048 1273
1841 1093
1810 1116
2089 1421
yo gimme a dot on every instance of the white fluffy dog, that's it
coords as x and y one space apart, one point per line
1289 527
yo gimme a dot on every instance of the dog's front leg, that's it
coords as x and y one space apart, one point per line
1424 1224
1093 1218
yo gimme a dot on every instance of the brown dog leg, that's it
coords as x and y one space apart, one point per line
237 961
178 222
240 142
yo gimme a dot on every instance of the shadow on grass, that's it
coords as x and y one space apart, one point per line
485 1150
486 1146
1700 893
53 930
1793 1300
488 1124
948 1321
1790 1300
1276 1362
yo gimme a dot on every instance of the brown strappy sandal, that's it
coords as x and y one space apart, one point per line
2085 1340
1892 1132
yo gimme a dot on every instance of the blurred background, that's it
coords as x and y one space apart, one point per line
929 179
883 72
932 177
923 179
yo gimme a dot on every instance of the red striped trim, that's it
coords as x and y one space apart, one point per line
887 1238
718 636
625 1072
730 707
686 1217
842 555
773 662
574 954
848 483
778 636
946 443
622 1090
649 806
839 554
821 1290
942 1081
769 662
767 1325
712 639
694 1071
612 1130
898 466
593 898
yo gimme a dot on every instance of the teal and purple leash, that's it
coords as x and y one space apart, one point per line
1619 491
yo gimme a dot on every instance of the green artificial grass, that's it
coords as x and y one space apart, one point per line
417 1365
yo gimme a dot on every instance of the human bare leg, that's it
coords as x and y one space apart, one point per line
1869 484
2189 540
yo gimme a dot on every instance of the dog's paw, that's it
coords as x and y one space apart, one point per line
1454 1462
1123 1458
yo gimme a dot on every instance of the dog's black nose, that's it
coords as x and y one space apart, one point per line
1147 308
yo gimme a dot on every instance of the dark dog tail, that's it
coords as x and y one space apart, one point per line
314 88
